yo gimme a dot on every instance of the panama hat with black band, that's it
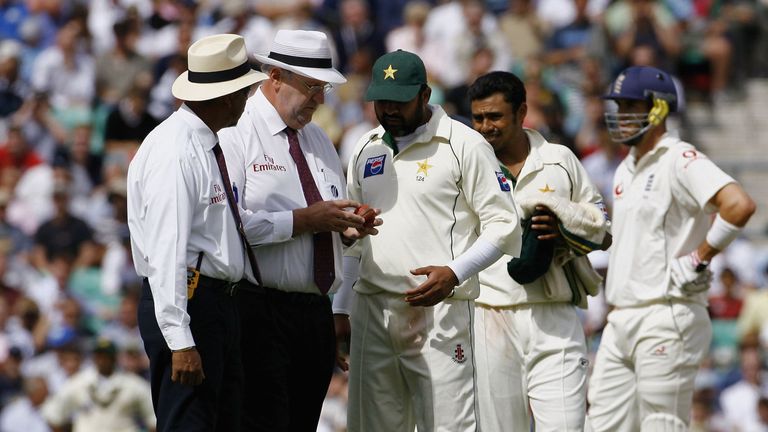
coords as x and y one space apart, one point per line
218 66
307 53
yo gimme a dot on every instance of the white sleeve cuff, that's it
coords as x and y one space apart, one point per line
475 259
342 300
178 338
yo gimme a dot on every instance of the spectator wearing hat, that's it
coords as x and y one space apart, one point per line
284 164
102 398
187 240
450 214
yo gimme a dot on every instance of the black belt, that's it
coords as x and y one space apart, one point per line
295 297
229 288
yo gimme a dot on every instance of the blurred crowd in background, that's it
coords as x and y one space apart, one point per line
83 81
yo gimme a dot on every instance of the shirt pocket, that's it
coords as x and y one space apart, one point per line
330 185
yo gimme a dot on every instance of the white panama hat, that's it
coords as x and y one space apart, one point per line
304 52
218 66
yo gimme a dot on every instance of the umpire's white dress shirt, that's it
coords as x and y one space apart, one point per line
177 207
266 177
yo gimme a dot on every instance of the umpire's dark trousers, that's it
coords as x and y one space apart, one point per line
214 405
289 351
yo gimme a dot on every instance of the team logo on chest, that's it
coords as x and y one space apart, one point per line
422 171
546 188
374 166
269 164
458 354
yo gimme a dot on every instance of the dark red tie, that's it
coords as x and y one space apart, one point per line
323 242
235 212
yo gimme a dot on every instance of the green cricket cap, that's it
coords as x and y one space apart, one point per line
396 76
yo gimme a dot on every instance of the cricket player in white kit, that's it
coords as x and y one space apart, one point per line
666 193
443 201
529 344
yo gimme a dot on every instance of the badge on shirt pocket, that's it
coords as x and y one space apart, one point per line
332 187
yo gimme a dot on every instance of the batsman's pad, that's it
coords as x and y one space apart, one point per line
582 225
662 422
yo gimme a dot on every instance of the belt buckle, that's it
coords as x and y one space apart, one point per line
231 289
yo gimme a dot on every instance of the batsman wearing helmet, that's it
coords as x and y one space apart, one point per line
674 210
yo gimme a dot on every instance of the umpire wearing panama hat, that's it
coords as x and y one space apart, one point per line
188 247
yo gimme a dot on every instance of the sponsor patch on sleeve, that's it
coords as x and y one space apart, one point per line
601 205
503 182
374 166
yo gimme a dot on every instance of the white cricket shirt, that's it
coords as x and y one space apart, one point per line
261 167
548 169
437 196
660 212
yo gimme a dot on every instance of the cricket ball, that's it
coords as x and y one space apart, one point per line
367 213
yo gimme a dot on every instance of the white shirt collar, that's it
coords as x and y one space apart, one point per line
206 136
259 103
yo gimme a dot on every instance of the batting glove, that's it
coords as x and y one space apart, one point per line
689 274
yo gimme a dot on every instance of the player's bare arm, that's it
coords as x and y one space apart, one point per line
735 207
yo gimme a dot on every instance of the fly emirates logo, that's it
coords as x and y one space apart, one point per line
218 194
269 165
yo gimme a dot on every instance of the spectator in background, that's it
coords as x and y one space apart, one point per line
356 32
459 50
66 73
118 71
124 329
11 381
754 315
238 18
13 241
456 101
727 305
62 360
129 122
739 402
86 165
63 235
16 157
102 398
27 328
13 90
40 126
644 32
23 415
524 31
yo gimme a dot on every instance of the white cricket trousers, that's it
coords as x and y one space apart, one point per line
530 354
411 366
646 364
